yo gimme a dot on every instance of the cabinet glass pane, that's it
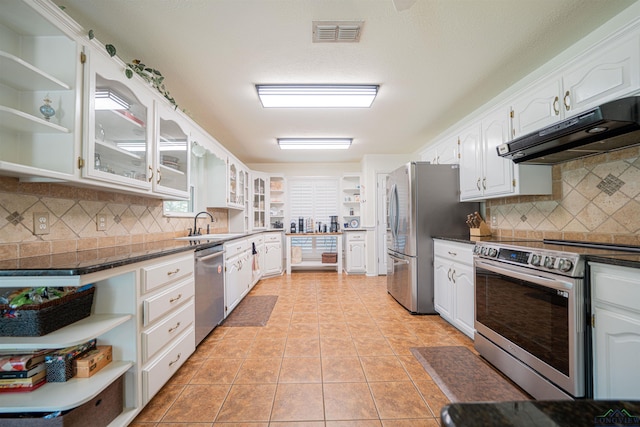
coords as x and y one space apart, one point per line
173 151
120 131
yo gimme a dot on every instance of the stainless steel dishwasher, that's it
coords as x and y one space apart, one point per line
209 298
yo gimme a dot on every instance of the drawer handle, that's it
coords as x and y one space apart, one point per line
174 328
176 298
171 273
452 253
175 361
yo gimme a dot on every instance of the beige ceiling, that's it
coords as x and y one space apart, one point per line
436 61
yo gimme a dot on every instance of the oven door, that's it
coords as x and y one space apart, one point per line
536 317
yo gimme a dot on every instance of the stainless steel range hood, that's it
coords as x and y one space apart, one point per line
611 126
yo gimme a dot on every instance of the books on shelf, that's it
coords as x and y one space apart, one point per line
7 375
29 381
21 362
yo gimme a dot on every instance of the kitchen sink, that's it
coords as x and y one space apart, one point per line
219 236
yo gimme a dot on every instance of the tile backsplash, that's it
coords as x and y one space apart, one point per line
596 198
72 215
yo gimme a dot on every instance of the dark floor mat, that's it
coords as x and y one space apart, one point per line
252 311
464 376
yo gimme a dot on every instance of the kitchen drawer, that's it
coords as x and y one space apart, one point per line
355 236
236 247
273 237
460 252
160 274
156 306
161 334
258 240
616 285
158 372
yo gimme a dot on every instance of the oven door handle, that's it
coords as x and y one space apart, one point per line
538 280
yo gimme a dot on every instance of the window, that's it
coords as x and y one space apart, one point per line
315 198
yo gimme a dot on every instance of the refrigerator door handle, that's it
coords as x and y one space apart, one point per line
393 211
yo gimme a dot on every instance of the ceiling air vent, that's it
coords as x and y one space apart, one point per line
337 31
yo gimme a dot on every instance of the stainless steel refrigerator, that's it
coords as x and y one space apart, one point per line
423 202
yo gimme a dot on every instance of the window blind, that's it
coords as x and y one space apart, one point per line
315 198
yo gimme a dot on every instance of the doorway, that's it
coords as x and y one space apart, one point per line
382 215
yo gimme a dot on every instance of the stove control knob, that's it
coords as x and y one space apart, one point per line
476 250
549 262
536 259
493 252
565 264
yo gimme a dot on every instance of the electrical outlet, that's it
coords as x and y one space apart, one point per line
40 223
494 221
101 222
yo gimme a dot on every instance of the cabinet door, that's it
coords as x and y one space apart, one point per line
118 125
232 288
356 257
470 163
258 201
172 152
611 71
447 151
498 172
537 107
617 349
38 62
273 258
464 310
442 292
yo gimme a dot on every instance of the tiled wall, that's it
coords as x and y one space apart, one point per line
596 199
72 216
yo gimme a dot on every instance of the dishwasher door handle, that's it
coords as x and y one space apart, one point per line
204 258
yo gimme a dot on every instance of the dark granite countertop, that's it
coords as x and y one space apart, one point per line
89 261
591 413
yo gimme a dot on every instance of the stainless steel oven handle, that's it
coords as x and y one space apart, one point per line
538 280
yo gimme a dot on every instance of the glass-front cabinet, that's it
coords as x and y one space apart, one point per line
172 153
258 203
118 126
40 71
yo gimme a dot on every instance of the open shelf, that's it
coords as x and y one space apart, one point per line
21 75
11 118
74 334
53 397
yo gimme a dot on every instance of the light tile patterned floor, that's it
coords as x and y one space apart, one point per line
334 353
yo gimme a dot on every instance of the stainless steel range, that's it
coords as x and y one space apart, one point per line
531 315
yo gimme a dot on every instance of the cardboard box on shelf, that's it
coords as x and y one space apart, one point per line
91 362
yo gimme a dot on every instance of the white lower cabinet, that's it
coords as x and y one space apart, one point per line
238 273
453 284
355 252
257 258
615 293
273 265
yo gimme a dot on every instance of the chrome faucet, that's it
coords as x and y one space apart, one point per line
196 230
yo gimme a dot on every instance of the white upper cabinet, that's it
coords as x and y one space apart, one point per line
258 202
484 174
443 152
40 75
172 151
608 71
118 126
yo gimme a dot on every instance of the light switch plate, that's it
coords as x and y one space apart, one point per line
101 222
40 223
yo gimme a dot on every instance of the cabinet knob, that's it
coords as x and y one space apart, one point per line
150 173
175 361
176 298
478 184
159 176
171 273
174 328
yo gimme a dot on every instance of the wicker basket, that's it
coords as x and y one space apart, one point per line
40 319
329 257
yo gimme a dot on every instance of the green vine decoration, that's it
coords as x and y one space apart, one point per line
148 74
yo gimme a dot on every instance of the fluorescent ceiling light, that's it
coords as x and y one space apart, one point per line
314 143
319 96
106 99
